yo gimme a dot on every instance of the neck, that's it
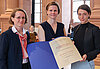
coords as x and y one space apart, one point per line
20 30
85 22
51 21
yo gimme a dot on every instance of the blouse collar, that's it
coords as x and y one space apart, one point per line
15 30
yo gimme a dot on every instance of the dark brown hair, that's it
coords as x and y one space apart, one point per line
13 15
53 3
84 7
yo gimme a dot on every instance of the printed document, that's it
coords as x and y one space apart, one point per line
64 51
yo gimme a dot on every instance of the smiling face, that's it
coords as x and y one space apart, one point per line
19 19
83 16
52 12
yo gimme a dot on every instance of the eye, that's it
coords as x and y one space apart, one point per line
50 10
85 14
55 10
18 17
23 17
79 14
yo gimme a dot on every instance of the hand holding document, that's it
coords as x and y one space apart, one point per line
64 51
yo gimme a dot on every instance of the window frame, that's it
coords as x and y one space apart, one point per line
38 12
84 2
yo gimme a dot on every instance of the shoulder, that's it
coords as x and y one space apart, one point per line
6 35
40 26
44 23
8 32
92 26
76 27
60 24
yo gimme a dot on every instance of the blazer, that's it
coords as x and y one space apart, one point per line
10 51
91 41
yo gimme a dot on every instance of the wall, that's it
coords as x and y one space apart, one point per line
44 15
66 13
27 5
6 8
95 19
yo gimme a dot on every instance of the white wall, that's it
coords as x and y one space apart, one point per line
66 13
66 16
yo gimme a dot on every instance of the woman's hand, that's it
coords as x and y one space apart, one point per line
84 57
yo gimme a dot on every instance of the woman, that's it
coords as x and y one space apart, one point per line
13 43
86 36
33 35
70 31
51 29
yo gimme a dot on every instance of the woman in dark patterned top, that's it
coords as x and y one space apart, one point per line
51 29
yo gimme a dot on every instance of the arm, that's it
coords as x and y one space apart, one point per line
3 51
64 32
92 55
41 33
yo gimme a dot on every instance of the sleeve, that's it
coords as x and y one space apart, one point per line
3 51
96 39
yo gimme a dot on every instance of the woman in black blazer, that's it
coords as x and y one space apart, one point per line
13 43
87 36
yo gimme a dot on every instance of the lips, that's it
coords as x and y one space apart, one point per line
82 19
52 15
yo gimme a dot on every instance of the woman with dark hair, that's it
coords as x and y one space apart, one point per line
13 43
51 29
86 36
70 31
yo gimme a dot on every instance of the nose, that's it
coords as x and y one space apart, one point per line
53 11
21 19
82 16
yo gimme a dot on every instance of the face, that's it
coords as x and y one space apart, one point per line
83 16
52 12
19 19
31 29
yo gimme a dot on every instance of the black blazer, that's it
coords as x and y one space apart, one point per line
10 51
91 41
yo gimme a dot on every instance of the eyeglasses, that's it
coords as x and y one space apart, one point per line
20 17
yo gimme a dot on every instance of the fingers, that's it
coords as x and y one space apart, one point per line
84 57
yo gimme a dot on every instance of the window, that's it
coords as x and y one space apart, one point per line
38 11
76 4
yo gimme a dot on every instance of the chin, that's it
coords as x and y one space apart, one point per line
53 18
82 22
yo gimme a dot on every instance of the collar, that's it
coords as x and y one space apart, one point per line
15 30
